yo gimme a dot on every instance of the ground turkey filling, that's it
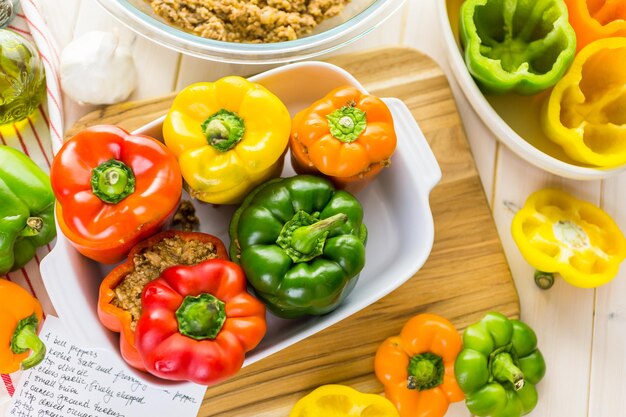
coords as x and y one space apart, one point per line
250 21
151 262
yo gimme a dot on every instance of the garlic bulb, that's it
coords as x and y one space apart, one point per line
96 69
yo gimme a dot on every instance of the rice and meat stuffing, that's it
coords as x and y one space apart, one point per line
248 21
149 264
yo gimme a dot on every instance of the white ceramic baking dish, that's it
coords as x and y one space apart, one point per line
397 214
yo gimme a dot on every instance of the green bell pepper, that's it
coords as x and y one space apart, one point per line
301 244
524 46
499 367
26 209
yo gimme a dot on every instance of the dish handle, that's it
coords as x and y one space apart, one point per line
408 130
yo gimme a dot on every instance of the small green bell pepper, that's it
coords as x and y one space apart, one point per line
499 367
301 244
26 209
524 46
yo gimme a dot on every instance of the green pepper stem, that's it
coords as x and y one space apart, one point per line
201 317
425 371
503 369
223 130
25 338
112 181
544 280
33 227
347 123
305 238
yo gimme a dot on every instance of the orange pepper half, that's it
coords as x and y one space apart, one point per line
596 19
347 136
20 347
417 367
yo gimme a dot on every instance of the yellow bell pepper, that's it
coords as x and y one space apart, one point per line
585 111
342 401
556 232
229 136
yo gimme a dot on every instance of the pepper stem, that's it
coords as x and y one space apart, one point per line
33 227
112 181
347 123
25 338
201 317
503 369
223 130
425 371
303 237
544 280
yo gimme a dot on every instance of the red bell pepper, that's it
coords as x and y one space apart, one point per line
113 189
118 319
197 322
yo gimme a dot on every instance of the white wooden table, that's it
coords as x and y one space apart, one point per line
582 333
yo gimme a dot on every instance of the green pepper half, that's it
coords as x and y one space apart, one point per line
524 46
26 209
301 244
499 367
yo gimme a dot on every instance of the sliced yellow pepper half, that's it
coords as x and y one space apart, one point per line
342 401
556 232
586 111
229 136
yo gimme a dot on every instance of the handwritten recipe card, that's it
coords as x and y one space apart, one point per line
76 382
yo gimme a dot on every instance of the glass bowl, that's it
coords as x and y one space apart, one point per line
357 18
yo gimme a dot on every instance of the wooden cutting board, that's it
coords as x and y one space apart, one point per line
465 276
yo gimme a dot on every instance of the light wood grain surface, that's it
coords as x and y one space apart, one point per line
582 332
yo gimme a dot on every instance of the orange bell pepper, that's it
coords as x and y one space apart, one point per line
119 320
347 136
417 367
21 315
113 189
596 19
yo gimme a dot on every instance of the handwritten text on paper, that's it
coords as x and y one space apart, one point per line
77 382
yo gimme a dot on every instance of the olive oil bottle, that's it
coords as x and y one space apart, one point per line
22 77
7 11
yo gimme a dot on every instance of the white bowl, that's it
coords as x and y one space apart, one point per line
397 214
514 119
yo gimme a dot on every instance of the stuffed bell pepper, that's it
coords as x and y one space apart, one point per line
523 46
20 347
499 367
585 113
229 136
348 136
301 244
597 19
417 367
198 322
26 209
113 189
119 300
557 233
